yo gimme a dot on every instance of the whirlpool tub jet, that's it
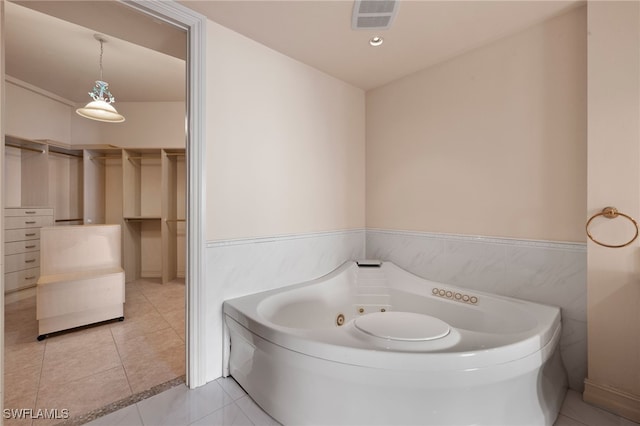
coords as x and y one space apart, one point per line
377 345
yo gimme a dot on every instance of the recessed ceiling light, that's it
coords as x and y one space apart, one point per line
376 41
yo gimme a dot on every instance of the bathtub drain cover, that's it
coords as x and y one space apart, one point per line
406 326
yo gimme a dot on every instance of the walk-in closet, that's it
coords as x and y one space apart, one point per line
65 177
143 190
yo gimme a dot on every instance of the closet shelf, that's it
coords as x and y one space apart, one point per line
26 148
136 218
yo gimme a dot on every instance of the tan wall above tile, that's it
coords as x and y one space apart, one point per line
492 142
614 179
285 143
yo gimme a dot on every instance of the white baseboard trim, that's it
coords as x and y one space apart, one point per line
612 399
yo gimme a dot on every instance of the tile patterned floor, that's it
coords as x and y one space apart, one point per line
224 402
221 402
576 412
89 368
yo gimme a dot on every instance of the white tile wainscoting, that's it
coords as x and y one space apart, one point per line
547 272
245 266
552 273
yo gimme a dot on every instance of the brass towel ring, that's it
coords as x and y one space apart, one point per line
611 213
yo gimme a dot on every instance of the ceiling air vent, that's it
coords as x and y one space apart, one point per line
373 14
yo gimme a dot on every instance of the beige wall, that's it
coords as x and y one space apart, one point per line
492 142
614 179
147 124
33 115
57 120
285 143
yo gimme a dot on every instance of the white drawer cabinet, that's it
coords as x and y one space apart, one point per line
17 262
16 247
13 235
21 279
27 212
15 222
22 245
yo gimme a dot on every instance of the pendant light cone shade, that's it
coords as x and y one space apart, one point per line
101 108
100 111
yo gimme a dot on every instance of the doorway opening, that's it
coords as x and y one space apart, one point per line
194 26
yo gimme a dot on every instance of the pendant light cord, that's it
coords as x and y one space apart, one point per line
101 108
101 53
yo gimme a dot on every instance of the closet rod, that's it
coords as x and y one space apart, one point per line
65 153
175 220
106 157
148 157
175 154
26 148
69 220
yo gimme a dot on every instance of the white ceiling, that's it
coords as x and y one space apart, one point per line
423 33
62 57
60 54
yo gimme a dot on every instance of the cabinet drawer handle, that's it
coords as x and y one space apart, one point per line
30 212
29 261
31 246
29 222
31 234
29 278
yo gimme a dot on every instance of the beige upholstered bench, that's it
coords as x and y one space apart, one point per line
81 279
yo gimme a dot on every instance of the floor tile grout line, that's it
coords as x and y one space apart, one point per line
590 407
124 369
244 392
153 304
208 414
574 419
90 327
184 310
139 413
601 411
247 415
140 289
44 354
161 313
221 408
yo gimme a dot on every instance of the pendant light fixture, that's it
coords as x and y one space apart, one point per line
100 108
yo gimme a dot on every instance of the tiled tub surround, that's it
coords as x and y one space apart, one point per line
546 272
245 266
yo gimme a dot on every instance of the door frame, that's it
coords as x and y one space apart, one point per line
195 25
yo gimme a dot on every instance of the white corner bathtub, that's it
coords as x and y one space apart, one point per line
378 345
